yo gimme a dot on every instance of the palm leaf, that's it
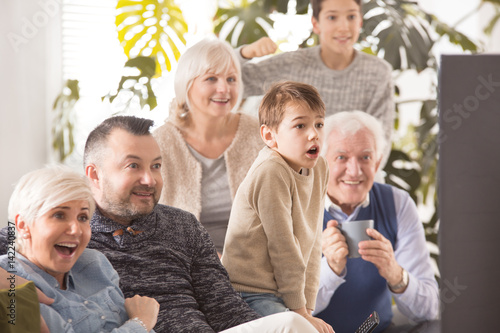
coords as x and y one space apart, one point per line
243 23
281 6
396 30
151 28
453 35
402 173
489 28
138 85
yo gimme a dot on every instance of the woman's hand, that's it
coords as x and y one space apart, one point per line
144 308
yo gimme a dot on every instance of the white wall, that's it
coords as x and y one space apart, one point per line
29 81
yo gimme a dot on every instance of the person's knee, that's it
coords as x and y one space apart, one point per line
291 319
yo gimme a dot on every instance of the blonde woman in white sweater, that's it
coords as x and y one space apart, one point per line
207 147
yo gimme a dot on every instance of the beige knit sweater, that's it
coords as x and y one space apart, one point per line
273 241
182 173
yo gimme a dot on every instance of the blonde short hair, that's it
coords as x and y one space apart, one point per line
38 191
208 55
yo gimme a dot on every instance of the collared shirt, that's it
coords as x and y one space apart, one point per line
91 302
420 300
337 212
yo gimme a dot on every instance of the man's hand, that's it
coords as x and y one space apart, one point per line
334 247
259 48
379 251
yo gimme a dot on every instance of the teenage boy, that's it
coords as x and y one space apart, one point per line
345 78
272 250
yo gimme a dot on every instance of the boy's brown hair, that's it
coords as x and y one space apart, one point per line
316 7
279 97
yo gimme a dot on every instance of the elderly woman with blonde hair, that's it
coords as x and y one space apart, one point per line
207 146
51 209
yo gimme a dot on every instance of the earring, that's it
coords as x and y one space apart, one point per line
25 236
186 110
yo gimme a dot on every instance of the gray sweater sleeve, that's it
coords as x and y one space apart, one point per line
366 84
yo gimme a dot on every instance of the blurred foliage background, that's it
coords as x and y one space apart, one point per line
152 33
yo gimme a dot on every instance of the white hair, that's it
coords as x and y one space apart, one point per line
348 123
38 191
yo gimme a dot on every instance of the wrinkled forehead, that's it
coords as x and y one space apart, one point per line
361 138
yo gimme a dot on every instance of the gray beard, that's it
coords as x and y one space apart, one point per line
123 212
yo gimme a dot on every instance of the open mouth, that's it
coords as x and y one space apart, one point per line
313 151
66 249
352 182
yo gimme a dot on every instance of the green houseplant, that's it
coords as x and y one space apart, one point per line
152 34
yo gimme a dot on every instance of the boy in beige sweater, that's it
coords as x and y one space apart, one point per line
272 250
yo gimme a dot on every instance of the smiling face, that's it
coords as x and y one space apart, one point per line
337 26
352 163
213 94
127 183
298 138
57 238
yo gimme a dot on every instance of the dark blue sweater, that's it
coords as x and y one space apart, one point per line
364 290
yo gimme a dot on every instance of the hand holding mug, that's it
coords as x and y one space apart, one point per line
334 247
355 232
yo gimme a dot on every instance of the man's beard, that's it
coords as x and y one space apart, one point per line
123 210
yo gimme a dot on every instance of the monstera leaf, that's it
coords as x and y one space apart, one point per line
402 172
453 35
496 17
391 28
245 21
401 31
136 86
427 142
242 22
152 28
281 6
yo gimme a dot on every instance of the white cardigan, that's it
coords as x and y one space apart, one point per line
182 173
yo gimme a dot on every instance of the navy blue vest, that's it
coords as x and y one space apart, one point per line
364 289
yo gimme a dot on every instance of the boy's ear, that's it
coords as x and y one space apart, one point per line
92 174
267 135
315 24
